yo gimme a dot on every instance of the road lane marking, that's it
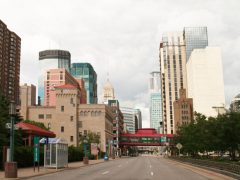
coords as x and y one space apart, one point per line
127 162
151 173
106 172
150 166
120 165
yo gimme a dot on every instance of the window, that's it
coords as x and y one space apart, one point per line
71 100
71 138
62 128
48 116
41 116
80 134
80 124
85 132
81 113
71 118
62 108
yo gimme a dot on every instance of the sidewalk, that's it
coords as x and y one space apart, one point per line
28 172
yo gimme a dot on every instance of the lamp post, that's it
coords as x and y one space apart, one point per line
11 167
12 112
85 142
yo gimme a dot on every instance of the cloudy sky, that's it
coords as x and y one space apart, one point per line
121 37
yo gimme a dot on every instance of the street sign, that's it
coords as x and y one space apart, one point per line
36 149
9 126
94 149
179 146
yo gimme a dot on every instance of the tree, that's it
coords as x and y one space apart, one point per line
4 118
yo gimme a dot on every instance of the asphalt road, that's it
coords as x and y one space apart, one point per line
137 168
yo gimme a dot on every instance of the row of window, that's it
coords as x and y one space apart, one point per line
93 113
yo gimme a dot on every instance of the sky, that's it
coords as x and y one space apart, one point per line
121 37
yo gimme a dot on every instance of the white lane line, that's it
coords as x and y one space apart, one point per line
106 172
150 166
127 162
120 165
151 173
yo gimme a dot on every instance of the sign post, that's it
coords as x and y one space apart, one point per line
179 146
36 152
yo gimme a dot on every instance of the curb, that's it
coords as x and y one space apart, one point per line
227 173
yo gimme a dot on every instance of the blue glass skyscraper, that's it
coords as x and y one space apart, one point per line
88 74
195 38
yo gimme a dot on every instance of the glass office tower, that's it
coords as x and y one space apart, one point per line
51 59
195 38
88 74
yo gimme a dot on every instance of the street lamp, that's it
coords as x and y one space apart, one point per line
12 112
11 167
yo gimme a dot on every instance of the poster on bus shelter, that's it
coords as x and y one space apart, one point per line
94 149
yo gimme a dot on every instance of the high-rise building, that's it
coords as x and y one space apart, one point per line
88 74
108 92
235 104
51 59
138 115
27 98
155 101
10 51
57 77
173 75
205 80
183 109
195 38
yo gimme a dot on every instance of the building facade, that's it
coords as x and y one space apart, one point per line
117 123
51 59
195 38
173 75
69 119
138 115
57 77
205 81
155 101
27 98
86 72
183 109
10 52
129 119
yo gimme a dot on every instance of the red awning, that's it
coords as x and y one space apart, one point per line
35 130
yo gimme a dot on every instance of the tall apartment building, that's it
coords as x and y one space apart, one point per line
183 109
88 74
57 77
27 98
173 75
205 81
10 52
155 101
195 38
51 59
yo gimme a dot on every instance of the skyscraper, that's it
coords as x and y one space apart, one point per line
173 75
108 92
195 38
155 101
10 50
205 81
129 119
51 59
88 74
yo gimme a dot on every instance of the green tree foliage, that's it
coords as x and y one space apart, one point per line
220 134
4 118
38 124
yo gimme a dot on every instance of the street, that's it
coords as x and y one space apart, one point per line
136 168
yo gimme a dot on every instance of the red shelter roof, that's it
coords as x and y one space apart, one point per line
35 130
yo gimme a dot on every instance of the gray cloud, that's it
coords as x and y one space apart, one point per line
121 37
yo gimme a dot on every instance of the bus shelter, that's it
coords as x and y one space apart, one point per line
55 152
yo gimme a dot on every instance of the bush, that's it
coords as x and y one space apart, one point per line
75 154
